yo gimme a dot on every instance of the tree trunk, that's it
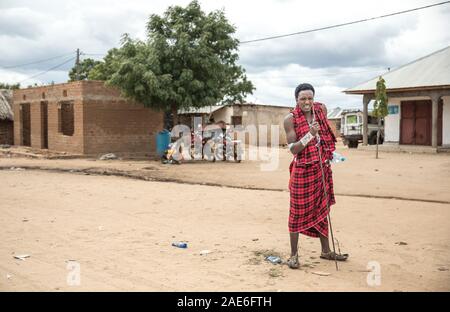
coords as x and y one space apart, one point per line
174 109
378 135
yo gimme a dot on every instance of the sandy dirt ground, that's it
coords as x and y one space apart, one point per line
392 214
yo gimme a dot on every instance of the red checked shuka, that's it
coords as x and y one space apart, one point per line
308 205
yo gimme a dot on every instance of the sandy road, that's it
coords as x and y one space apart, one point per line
120 232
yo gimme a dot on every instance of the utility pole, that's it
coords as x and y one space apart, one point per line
77 64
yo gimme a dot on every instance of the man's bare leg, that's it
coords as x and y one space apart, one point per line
293 260
294 243
326 251
325 243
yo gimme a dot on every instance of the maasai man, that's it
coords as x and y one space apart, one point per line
308 133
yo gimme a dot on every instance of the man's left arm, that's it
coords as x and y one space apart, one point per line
325 111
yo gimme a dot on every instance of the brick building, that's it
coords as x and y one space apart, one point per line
84 117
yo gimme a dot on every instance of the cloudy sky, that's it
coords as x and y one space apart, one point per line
332 60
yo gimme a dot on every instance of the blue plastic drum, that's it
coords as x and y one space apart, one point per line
162 142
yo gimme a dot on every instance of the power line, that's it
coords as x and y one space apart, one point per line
37 62
344 24
93 54
54 67
242 42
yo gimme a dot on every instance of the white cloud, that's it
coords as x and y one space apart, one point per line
276 86
332 59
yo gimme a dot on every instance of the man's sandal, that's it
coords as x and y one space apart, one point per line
293 262
334 256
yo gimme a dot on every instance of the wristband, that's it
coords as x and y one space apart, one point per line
305 140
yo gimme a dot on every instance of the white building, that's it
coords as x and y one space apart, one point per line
418 102
260 116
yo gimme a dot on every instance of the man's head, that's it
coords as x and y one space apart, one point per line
304 95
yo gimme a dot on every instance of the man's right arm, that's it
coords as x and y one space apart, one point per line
295 146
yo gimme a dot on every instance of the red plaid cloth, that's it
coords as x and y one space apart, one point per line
308 204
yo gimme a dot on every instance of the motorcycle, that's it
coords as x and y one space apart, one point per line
216 142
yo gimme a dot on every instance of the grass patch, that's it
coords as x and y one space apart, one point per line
266 252
276 272
261 255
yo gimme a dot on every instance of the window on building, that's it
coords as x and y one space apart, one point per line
66 118
236 120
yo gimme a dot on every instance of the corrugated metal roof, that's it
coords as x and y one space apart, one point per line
429 71
201 110
212 109
264 105
335 113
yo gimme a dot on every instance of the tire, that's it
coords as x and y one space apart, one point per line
353 144
373 139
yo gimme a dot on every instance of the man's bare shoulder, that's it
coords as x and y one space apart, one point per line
288 119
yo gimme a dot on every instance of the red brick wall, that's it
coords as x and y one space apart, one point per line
56 140
104 122
6 132
116 125
53 95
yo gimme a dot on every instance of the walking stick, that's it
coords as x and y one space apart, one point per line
325 191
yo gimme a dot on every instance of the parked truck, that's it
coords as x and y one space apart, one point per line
352 128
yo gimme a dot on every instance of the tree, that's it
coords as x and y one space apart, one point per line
188 60
9 86
380 109
104 70
81 71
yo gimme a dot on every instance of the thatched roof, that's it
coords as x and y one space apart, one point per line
5 104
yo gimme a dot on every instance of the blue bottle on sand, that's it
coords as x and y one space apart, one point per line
274 259
337 158
179 245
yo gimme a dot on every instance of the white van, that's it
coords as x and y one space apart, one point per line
352 128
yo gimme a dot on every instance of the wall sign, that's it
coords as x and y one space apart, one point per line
393 109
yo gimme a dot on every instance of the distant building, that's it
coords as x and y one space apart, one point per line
419 102
334 119
6 118
247 114
84 117
186 116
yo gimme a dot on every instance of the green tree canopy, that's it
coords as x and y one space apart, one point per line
9 86
81 72
188 60
380 109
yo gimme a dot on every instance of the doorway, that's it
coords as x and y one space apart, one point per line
25 123
416 123
44 124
